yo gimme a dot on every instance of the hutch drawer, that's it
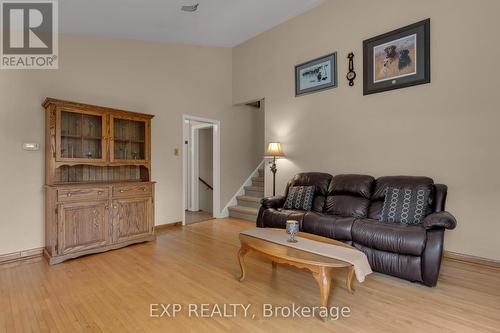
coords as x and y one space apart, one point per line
76 194
132 190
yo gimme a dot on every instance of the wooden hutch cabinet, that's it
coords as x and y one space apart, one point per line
98 190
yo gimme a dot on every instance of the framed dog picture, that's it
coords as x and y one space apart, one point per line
397 59
316 75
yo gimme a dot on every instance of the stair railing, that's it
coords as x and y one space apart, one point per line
209 187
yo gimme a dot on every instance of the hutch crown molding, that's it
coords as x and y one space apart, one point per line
98 190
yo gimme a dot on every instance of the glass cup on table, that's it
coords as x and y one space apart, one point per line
292 228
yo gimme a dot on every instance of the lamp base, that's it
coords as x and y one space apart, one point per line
274 168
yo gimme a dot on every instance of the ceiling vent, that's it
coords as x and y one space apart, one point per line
190 9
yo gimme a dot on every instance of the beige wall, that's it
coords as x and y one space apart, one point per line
447 129
164 80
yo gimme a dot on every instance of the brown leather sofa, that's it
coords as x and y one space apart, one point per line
347 208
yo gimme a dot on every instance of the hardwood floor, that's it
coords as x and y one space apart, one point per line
112 292
195 217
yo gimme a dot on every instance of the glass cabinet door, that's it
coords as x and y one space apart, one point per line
129 140
81 136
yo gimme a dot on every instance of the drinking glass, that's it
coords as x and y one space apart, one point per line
292 228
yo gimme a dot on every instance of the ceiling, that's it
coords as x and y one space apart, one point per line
215 23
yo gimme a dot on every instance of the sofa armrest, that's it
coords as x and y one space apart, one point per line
273 202
440 220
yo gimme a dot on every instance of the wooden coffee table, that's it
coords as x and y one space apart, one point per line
320 266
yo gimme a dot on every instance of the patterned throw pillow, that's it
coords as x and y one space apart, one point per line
299 197
405 205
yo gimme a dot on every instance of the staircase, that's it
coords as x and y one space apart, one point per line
249 203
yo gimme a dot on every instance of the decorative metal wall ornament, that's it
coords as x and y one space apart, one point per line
351 74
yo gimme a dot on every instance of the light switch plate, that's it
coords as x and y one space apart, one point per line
31 146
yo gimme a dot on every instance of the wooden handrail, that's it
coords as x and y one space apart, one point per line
206 184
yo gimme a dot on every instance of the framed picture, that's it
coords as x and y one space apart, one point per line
316 75
397 59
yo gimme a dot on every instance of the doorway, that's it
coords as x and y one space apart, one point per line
201 169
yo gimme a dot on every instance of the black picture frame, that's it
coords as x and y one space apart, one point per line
332 59
375 80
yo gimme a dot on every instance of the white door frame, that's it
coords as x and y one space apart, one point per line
186 136
194 205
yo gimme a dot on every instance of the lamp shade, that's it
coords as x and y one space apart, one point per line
274 149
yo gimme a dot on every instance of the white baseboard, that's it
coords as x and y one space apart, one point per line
225 212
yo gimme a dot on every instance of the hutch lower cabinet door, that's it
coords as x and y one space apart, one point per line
83 226
132 218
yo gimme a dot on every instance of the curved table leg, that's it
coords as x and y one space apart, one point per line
349 282
241 259
324 279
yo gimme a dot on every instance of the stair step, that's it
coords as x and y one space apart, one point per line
261 172
258 194
258 181
248 201
254 191
246 210
255 188
249 198
245 213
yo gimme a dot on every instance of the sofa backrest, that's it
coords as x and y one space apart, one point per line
319 180
440 193
378 195
349 195
362 195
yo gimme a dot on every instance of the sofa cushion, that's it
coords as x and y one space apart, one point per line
390 237
320 181
382 183
331 226
276 218
273 202
300 198
358 185
405 205
346 205
349 195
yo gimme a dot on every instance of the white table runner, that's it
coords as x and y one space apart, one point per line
356 258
